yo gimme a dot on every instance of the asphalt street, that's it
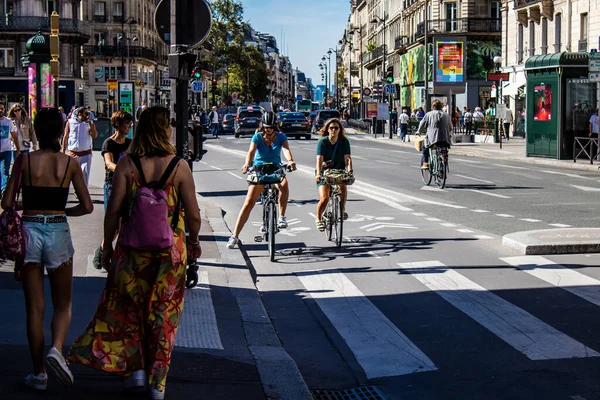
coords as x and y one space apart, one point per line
422 299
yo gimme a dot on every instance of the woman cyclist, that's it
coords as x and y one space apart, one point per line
265 152
333 152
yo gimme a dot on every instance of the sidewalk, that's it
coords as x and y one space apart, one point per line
513 150
226 346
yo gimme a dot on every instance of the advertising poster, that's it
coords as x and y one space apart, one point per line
542 102
371 109
449 61
47 86
32 87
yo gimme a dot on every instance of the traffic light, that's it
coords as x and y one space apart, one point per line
196 72
214 81
197 132
389 75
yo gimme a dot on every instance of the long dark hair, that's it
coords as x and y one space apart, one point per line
48 127
151 137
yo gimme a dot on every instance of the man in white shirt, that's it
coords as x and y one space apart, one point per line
594 120
8 139
403 119
477 117
78 139
508 119
213 117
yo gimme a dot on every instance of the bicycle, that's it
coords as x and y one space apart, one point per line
270 196
438 167
333 216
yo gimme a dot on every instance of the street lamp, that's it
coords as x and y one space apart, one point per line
324 66
350 99
498 63
337 97
131 21
376 19
352 31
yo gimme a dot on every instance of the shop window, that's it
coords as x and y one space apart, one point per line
7 57
580 101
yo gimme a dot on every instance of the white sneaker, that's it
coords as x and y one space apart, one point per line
59 366
282 223
233 241
37 382
156 395
137 380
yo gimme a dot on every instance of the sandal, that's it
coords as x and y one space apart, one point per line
320 225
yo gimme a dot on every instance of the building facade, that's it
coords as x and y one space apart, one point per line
23 19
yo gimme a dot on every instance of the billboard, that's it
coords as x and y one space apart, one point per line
542 102
32 89
450 61
47 86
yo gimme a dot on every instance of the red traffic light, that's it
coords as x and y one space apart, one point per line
214 80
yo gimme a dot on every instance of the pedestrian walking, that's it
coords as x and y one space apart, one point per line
139 312
142 107
8 139
508 119
113 149
594 122
468 120
403 118
25 132
213 117
77 140
478 117
47 175
394 119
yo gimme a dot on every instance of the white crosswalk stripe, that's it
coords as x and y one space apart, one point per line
521 330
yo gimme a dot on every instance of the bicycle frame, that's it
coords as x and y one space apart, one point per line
333 215
438 167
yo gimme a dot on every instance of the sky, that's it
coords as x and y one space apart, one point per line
308 27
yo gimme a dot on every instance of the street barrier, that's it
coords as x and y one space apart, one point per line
588 146
363 125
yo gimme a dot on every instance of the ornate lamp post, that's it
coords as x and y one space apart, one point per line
39 78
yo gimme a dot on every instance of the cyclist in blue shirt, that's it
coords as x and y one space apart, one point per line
264 154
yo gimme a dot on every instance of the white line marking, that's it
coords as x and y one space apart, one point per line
448 224
480 211
419 214
586 188
432 219
378 345
217 168
236 175
483 237
557 275
564 174
465 230
203 162
560 225
530 220
521 330
360 158
509 166
475 179
577 397
432 189
406 152
466 161
387 162
313 215
505 215
199 328
373 254
487 193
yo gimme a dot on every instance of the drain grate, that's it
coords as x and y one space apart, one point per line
361 393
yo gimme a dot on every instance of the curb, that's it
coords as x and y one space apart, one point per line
279 374
554 241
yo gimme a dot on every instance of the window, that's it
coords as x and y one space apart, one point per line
99 11
7 57
544 36
118 12
557 32
531 38
583 34
451 21
100 38
51 6
520 44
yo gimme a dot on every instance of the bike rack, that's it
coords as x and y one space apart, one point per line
584 143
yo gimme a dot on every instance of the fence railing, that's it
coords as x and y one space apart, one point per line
118 51
586 148
32 24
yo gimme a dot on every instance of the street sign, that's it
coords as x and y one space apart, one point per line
493 93
127 100
498 76
193 25
500 110
366 91
197 86
594 65
389 89
299 97
595 55
234 96
594 76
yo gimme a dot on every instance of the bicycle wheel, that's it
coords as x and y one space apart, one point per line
339 222
328 217
272 227
426 173
440 178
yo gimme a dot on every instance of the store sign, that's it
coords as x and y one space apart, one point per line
449 61
127 100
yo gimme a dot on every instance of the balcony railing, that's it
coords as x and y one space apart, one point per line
33 24
372 55
99 18
118 19
462 25
118 51
524 3
400 42
354 66
408 3
7 72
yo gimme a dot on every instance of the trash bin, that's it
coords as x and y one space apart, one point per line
381 126
105 131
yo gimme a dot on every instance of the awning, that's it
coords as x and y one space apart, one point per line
512 88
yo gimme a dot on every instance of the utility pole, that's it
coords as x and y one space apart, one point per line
426 52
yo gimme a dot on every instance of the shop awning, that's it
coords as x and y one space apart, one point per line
511 88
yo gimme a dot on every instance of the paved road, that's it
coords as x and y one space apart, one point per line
422 300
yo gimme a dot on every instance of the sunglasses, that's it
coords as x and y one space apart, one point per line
335 128
17 110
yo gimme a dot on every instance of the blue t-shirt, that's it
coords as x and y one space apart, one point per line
266 154
6 126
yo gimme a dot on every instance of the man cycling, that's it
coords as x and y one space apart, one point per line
438 126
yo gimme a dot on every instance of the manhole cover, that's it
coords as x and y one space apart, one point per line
361 393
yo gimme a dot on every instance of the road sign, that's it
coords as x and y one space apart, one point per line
594 76
389 89
595 55
594 65
299 97
234 96
500 110
498 76
193 25
366 91
197 86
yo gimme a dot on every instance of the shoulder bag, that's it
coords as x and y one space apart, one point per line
12 239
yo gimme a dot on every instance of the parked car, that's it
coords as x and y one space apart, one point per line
322 117
228 123
247 120
294 124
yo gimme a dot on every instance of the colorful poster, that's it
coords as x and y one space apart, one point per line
542 102
371 109
47 99
32 87
449 61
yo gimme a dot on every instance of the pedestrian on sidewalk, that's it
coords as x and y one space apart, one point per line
478 117
8 139
47 175
508 120
113 149
213 117
136 321
77 140
468 120
25 132
403 118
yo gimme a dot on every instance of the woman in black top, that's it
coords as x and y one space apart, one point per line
46 176
113 149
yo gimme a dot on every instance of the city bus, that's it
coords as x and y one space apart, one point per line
304 106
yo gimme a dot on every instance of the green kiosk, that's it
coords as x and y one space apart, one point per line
560 101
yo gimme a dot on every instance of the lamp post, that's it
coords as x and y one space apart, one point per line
426 52
323 66
359 30
131 21
375 20
350 99
337 95
498 63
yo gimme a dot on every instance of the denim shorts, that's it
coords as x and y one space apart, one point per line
47 244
